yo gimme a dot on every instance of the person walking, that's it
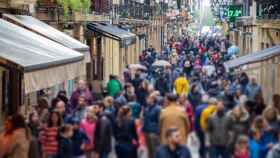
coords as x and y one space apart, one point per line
173 116
113 86
275 151
83 90
88 126
173 148
197 125
15 140
218 128
150 128
48 136
194 96
125 134
252 89
241 147
80 112
65 144
79 140
240 124
103 134
181 85
34 125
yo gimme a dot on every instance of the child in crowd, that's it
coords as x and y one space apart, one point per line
254 145
64 141
79 140
88 126
241 148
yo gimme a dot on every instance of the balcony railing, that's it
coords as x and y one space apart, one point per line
51 12
20 3
268 9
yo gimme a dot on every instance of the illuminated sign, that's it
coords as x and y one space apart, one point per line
234 11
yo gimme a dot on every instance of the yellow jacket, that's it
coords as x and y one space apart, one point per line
181 85
206 113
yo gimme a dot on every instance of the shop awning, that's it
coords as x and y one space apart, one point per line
43 62
47 31
255 57
127 38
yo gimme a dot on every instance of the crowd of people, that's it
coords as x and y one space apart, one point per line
157 107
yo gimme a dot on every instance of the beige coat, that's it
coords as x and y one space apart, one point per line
16 145
174 116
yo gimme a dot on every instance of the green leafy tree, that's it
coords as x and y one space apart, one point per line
65 5
82 6
85 4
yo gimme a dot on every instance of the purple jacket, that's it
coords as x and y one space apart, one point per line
77 93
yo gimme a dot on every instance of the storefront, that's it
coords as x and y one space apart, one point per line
53 34
112 47
263 65
29 63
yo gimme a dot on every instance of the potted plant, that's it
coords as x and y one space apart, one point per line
79 8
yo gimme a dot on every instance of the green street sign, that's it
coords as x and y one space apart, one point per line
234 11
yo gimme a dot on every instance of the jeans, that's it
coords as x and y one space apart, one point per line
104 155
218 151
126 150
152 142
202 149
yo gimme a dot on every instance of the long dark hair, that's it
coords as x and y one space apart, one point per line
17 121
50 123
122 115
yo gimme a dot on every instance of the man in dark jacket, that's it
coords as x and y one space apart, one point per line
103 136
218 128
137 81
151 125
173 149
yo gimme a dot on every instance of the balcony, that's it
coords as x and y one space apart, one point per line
20 3
79 17
244 21
268 9
50 12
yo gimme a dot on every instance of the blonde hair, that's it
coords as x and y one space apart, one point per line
268 111
108 101
243 139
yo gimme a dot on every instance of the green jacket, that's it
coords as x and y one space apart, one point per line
114 87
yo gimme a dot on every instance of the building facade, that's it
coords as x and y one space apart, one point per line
257 30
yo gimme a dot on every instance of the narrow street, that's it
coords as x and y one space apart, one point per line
140 79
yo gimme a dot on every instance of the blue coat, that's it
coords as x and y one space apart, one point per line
198 112
151 119
180 152
254 148
266 138
78 139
